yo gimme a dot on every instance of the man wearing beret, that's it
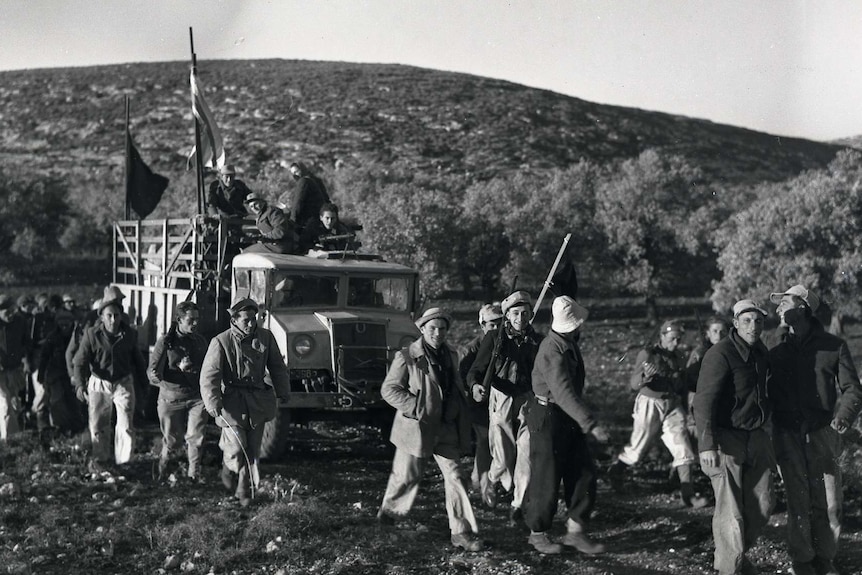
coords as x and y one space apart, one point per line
510 390
431 420
817 397
226 194
238 397
14 347
559 421
731 410
659 379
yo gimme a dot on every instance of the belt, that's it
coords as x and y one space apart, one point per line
544 400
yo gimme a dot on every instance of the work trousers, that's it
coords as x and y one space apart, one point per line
482 459
558 451
103 395
744 494
178 416
240 447
812 481
652 416
53 403
12 383
403 485
509 439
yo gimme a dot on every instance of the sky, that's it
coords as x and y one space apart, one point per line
788 67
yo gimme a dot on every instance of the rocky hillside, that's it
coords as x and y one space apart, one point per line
70 122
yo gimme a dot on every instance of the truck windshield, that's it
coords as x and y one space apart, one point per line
301 290
386 293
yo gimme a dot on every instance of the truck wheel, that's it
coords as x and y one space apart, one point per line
275 435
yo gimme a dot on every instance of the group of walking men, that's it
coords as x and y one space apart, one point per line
757 410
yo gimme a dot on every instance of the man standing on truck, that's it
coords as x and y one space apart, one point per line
432 420
227 194
105 368
238 397
305 201
175 368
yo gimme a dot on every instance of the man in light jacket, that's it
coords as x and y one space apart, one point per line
432 420
237 396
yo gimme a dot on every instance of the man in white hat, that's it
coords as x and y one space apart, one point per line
510 390
731 410
559 422
431 420
237 395
490 316
817 397
226 194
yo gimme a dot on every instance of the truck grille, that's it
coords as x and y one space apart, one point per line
361 358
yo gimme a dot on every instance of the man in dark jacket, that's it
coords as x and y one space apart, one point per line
239 397
105 368
508 397
14 347
175 368
278 233
327 232
731 408
226 194
817 397
308 196
559 421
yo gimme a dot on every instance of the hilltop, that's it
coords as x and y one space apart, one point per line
69 122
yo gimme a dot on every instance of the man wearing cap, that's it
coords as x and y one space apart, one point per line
490 316
731 410
277 232
237 395
659 379
226 194
14 347
559 421
817 396
106 369
513 354
431 420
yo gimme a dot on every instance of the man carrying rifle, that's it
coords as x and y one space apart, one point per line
326 232
509 357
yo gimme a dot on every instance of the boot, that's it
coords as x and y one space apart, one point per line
243 488
686 489
616 475
543 544
575 537
228 478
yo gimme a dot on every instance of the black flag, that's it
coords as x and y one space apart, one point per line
565 280
144 188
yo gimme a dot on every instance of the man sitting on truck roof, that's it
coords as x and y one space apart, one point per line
327 232
278 234
227 194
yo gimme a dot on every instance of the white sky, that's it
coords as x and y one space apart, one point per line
788 67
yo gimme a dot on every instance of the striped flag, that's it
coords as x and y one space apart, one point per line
212 147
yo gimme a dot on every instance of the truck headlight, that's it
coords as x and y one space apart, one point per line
303 345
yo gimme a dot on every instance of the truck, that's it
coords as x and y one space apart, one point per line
337 316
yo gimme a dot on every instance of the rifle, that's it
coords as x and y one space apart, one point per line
498 343
548 282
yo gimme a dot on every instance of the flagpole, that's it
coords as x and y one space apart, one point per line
128 104
199 164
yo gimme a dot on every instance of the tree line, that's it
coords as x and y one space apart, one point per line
648 226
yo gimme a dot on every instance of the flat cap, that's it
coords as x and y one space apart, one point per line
434 313
746 305
809 297
515 299
243 304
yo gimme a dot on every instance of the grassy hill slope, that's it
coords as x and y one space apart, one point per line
70 122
